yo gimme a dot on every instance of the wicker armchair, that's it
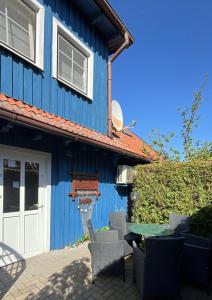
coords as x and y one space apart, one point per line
117 221
156 271
197 260
107 252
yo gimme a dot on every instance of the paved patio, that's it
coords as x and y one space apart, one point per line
66 274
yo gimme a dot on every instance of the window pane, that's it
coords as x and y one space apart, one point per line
79 58
65 47
19 39
11 186
2 21
17 26
21 23
65 67
2 28
20 13
72 64
2 6
80 66
78 77
31 185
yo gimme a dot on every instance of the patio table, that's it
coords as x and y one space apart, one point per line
151 229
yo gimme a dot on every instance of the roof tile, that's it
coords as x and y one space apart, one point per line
127 142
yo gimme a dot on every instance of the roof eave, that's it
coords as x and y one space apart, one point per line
114 18
24 120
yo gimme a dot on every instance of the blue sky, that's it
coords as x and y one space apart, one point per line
168 62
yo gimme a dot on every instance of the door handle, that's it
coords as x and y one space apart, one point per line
41 206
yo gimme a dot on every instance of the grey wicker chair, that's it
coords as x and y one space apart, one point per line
107 252
117 221
180 223
197 260
156 271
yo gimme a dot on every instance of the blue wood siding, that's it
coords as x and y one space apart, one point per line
66 226
21 80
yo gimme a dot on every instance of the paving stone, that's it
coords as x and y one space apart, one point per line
108 293
97 289
119 295
66 274
8 297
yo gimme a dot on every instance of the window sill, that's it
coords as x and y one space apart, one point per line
74 88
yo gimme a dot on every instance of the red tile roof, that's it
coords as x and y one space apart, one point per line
126 143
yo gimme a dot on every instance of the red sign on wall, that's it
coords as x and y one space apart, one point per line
84 184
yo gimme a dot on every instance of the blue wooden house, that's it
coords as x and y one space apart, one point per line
59 152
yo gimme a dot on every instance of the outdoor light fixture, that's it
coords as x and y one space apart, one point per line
134 196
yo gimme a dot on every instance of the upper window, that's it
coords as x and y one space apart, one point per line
72 60
72 65
21 28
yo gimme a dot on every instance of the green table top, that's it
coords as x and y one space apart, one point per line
151 229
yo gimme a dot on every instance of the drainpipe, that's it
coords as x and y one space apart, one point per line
112 58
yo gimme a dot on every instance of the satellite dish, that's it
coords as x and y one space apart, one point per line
117 116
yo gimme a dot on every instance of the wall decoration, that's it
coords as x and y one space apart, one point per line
84 182
85 189
86 203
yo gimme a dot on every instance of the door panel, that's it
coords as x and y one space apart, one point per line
11 238
32 238
11 232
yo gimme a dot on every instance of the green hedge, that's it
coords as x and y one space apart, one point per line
175 187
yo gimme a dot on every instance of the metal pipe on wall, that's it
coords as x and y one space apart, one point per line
112 58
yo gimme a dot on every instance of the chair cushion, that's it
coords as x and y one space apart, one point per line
106 236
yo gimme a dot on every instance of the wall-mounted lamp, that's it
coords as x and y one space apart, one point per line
134 196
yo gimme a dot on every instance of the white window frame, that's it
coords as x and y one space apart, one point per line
64 32
39 34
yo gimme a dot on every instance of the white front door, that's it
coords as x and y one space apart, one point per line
22 205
